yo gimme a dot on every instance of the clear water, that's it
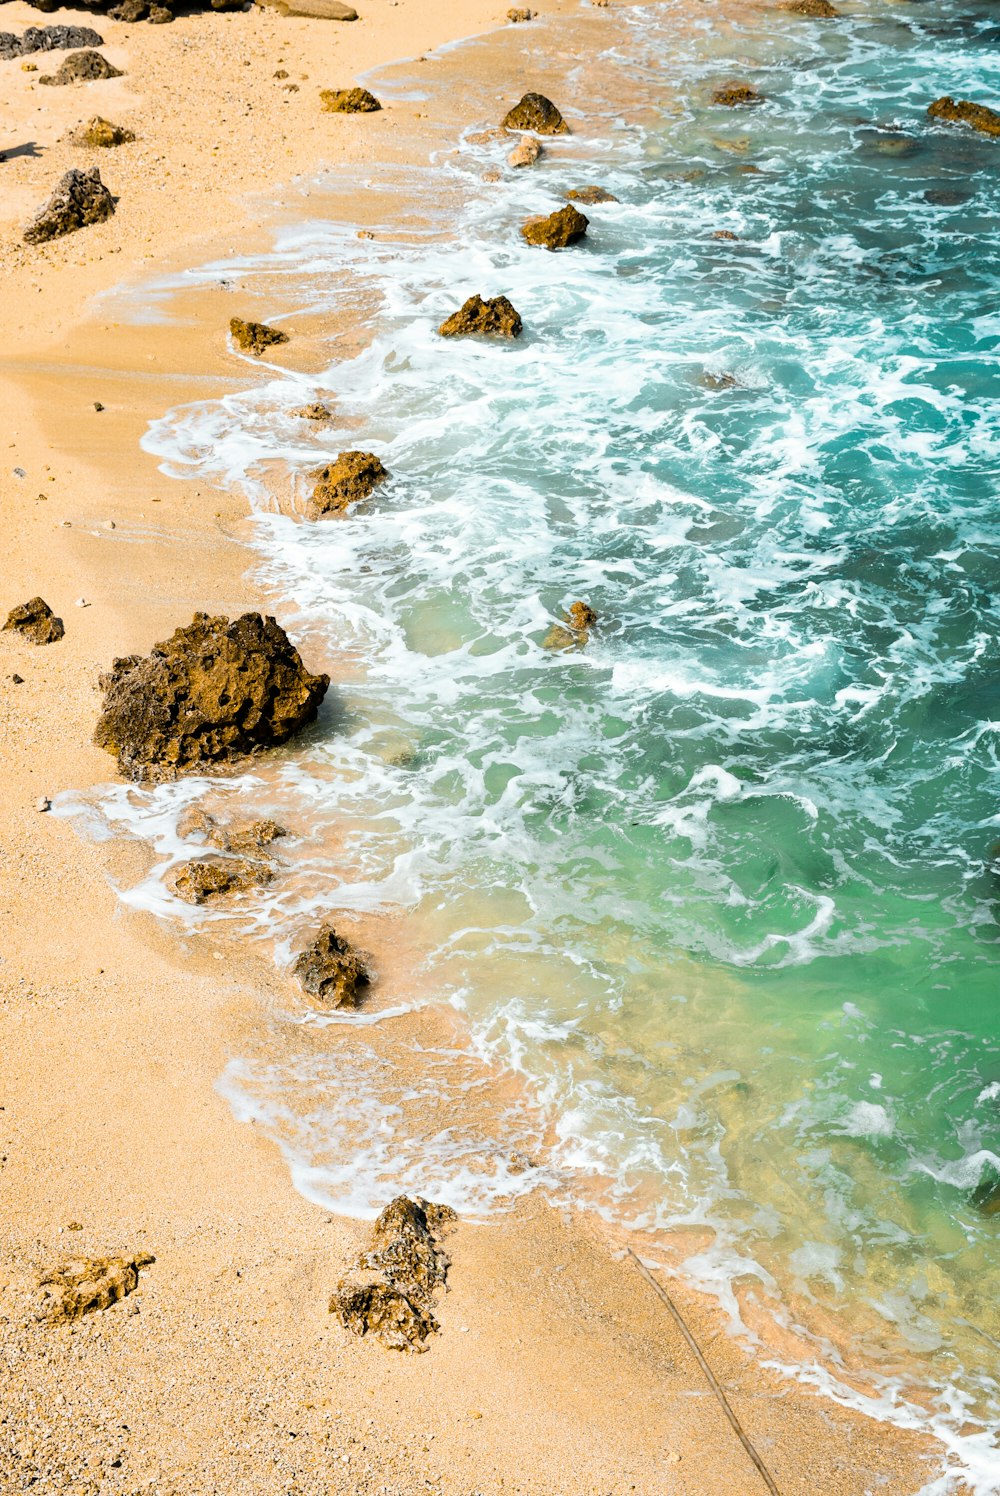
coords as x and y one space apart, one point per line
718 887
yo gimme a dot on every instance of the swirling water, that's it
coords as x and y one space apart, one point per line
719 885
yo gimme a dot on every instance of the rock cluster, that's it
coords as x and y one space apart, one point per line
389 1294
35 621
560 229
590 195
538 114
254 337
964 112
82 67
140 10
214 691
47 39
332 970
84 1284
205 878
101 132
493 318
349 478
349 101
737 95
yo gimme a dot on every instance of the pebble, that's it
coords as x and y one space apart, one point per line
82 602
18 680
20 473
43 803
98 405
109 524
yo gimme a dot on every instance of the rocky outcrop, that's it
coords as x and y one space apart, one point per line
80 199
82 67
737 95
83 1285
558 230
206 878
820 10
349 101
347 480
214 691
494 318
390 1293
47 39
242 837
36 622
140 10
538 114
590 195
101 132
255 337
964 112
332 970
574 631
526 152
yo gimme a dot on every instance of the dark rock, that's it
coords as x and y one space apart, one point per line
590 195
349 101
205 878
349 478
85 1284
35 621
390 1292
526 152
159 15
538 114
964 112
130 11
710 381
737 95
80 199
559 229
332 970
495 318
314 413
817 9
946 197
254 337
47 39
101 132
214 691
82 67
574 631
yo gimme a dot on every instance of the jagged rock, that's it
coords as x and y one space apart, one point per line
35 621
561 228
101 132
80 199
320 10
591 195
574 632
495 318
82 67
349 101
47 39
526 152
518 13
242 837
736 95
332 970
964 112
254 337
538 114
390 1291
205 878
214 691
315 412
349 478
130 11
724 381
818 9
726 234
84 1284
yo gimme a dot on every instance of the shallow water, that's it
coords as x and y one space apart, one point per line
717 886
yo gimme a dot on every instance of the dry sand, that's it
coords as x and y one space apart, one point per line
558 1370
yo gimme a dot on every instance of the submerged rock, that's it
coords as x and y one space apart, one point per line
47 39
737 95
964 112
349 101
35 621
526 152
538 114
205 878
574 631
82 67
80 199
241 837
390 1292
332 970
817 9
590 195
101 132
560 229
214 691
494 318
255 337
349 478
85 1284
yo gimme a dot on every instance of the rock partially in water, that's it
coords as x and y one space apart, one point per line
390 1292
820 10
964 112
737 95
79 200
526 152
332 970
255 337
315 412
36 622
206 878
47 39
560 229
538 114
349 478
83 1285
590 195
102 133
241 837
82 67
214 691
349 101
493 318
574 631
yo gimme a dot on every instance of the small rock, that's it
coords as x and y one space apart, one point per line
205 878
492 174
590 195
18 680
818 9
98 406
80 199
558 230
574 632
710 381
109 524
487 137
495 318
349 101
390 1292
351 477
35 621
526 152
254 337
43 803
538 114
726 234
314 413
242 837
332 970
737 95
85 1284
82 602
518 13
82 67
102 133
963 112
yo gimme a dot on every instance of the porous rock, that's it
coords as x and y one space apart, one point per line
205 878
519 13
349 101
47 39
820 10
332 970
349 478
492 318
101 132
390 1292
82 1285
82 67
590 195
214 691
80 199
964 112
315 412
538 114
241 837
526 152
560 229
35 621
737 95
255 337
574 631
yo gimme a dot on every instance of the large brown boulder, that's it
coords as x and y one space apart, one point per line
85 1284
255 337
538 114
964 112
214 691
561 228
332 970
349 101
80 199
35 621
82 67
494 318
390 1292
349 478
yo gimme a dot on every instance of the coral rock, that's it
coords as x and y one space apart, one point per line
47 39
84 1284
737 95
101 132
205 878
590 195
349 101
351 477
964 112
242 837
390 1292
80 199
314 413
818 9
495 318
36 621
332 970
538 114
518 13
82 67
255 337
558 230
574 631
526 152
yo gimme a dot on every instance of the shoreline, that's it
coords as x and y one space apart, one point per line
201 561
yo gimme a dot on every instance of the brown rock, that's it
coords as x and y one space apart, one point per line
332 970
82 67
526 152
205 878
737 95
35 620
574 632
517 14
538 114
254 337
590 195
390 1292
84 1284
320 10
349 101
727 235
80 199
487 137
817 9
242 837
964 112
349 478
101 132
559 229
314 413
214 691
495 318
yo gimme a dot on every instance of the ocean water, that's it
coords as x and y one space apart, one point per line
712 903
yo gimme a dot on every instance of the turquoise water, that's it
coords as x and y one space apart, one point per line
718 887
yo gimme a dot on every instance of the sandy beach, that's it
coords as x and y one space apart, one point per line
557 1369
